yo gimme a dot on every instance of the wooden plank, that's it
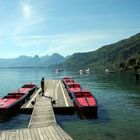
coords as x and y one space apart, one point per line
51 133
28 134
24 134
58 132
32 135
36 134
3 136
45 132
57 135
41 134
17 137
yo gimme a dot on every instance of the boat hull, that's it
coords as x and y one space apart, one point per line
85 102
85 109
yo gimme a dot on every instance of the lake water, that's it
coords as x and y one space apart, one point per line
118 99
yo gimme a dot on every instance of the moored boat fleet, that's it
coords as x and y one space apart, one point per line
83 100
14 100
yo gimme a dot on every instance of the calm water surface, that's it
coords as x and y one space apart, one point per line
118 98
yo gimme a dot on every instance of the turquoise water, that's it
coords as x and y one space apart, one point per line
118 98
119 108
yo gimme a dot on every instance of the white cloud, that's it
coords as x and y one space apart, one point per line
63 43
69 43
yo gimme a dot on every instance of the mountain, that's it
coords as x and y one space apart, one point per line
36 61
44 58
124 53
53 60
67 57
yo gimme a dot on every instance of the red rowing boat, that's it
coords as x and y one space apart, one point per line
73 87
66 78
84 101
67 81
14 100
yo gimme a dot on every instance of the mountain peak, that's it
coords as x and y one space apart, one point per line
35 61
56 54
36 57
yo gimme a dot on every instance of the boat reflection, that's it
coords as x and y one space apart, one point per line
84 116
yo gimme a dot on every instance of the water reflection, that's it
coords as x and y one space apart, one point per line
135 100
86 116
14 122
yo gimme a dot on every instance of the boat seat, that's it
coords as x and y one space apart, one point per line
28 86
87 95
79 95
13 96
16 93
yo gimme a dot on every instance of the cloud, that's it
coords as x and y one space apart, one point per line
65 44
69 43
62 43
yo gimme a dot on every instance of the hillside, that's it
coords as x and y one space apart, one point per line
124 53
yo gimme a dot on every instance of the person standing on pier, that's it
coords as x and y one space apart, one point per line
42 86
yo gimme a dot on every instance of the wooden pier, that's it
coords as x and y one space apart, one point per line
55 90
43 125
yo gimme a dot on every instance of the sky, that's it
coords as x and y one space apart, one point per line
44 27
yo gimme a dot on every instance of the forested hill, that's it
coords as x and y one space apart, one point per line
125 53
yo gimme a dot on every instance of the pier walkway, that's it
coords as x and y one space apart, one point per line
56 90
43 125
42 114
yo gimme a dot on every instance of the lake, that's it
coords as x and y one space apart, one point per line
118 97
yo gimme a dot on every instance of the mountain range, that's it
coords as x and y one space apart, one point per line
36 61
123 54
